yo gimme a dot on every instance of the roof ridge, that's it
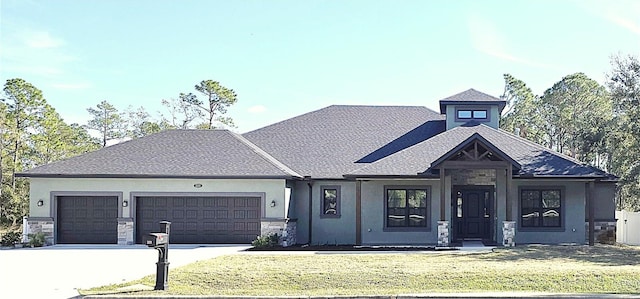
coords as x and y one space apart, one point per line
266 156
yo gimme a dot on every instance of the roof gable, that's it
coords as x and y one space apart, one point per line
470 97
475 140
172 153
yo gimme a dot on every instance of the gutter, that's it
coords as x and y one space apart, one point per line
151 176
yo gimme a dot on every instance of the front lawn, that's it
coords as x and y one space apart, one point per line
565 269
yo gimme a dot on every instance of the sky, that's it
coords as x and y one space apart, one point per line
285 58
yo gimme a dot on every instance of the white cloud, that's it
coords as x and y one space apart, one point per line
70 86
486 38
257 109
41 39
625 15
31 52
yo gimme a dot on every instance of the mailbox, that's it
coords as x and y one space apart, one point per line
156 239
160 242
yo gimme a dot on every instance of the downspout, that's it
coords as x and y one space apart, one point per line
310 184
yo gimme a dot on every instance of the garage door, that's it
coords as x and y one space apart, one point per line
200 220
87 220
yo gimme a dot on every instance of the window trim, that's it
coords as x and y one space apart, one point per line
563 214
472 110
338 201
426 228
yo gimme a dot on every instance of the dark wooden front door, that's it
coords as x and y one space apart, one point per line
472 209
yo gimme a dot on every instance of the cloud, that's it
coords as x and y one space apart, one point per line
41 39
486 38
257 109
626 16
33 52
70 86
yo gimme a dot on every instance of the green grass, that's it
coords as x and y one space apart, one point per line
564 269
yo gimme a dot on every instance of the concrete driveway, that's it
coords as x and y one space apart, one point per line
57 271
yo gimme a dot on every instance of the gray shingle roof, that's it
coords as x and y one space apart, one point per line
325 143
534 159
332 142
173 153
470 96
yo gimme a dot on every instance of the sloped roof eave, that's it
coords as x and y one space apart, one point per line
154 176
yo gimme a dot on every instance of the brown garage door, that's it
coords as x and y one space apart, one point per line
87 220
200 220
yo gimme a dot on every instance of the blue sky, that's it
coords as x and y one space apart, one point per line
284 58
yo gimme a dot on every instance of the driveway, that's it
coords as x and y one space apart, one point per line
57 271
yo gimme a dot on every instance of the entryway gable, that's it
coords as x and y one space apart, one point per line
475 149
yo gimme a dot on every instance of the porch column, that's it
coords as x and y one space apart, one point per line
443 201
589 194
509 207
358 212
443 224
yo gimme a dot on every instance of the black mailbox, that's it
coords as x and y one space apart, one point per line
156 239
160 241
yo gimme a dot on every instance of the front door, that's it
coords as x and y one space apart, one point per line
472 212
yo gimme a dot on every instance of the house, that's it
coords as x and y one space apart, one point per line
370 175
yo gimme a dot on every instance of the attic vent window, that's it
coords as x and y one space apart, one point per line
472 114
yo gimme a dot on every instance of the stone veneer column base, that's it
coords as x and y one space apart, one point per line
125 231
604 232
508 233
443 233
284 228
42 225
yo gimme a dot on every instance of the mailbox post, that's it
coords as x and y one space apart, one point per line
160 241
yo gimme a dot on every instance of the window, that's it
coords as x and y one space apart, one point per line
406 207
540 207
330 200
472 114
464 114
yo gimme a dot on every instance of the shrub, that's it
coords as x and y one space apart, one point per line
270 240
11 238
36 240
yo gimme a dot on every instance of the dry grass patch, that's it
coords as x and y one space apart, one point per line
570 269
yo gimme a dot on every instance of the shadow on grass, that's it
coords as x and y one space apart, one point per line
603 255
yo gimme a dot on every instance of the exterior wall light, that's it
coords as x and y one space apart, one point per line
125 203
40 203
273 203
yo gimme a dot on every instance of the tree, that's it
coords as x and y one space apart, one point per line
522 115
624 139
108 121
22 109
183 110
217 99
140 123
55 140
25 105
577 112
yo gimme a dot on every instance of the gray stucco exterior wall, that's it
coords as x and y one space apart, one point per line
325 230
573 201
373 214
493 115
